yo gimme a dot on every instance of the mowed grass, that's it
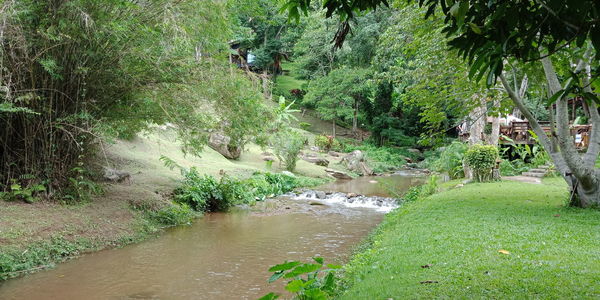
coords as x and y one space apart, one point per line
447 246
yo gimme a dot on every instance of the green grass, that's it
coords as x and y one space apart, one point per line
554 250
285 83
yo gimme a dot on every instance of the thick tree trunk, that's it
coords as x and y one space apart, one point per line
579 172
478 120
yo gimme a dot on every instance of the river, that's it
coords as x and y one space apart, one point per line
220 256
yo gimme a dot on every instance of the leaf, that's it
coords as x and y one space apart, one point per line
505 252
591 96
284 266
303 269
269 296
275 276
475 28
319 260
555 97
295 286
334 267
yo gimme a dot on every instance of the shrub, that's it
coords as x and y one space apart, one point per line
305 126
197 191
286 145
447 159
328 143
384 159
482 158
173 214
205 193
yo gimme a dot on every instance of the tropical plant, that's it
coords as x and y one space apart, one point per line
308 281
287 145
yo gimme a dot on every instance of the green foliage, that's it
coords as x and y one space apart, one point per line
173 214
305 126
336 95
17 192
287 145
422 191
482 159
83 70
328 143
448 159
307 281
16 262
383 159
201 193
207 194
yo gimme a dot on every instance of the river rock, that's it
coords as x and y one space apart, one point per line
268 158
320 195
334 154
316 160
338 174
220 143
115 175
414 151
355 162
288 173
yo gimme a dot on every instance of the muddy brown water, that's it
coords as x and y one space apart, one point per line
220 256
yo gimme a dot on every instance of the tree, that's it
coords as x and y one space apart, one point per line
338 95
488 33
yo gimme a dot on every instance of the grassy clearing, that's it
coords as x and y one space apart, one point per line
457 235
286 82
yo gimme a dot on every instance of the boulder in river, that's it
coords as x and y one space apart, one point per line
220 143
355 161
338 174
320 195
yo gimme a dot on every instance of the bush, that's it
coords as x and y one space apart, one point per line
482 159
384 159
205 193
287 145
328 143
173 214
305 126
198 191
447 159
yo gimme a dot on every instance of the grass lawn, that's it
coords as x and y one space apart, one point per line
447 246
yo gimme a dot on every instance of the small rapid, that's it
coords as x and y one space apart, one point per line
351 200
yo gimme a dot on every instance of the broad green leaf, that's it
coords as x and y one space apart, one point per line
319 260
269 296
284 266
295 286
303 269
275 276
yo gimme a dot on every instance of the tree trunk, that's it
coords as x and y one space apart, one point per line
579 172
333 129
477 118
355 119
494 136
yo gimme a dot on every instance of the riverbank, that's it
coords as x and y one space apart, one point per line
36 236
494 240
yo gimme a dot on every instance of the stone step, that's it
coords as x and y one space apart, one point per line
538 171
532 174
544 167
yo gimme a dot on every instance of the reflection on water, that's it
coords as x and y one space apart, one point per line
221 256
383 186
